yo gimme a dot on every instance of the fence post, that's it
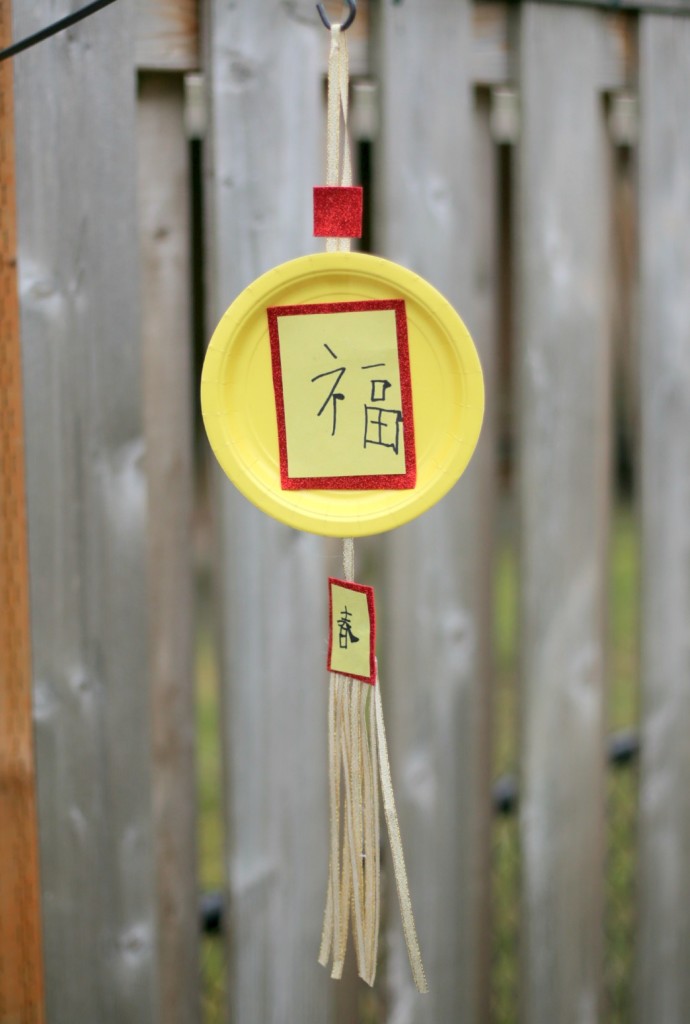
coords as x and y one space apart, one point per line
663 979
564 440
436 633
78 269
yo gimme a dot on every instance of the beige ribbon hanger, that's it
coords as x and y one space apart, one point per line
357 748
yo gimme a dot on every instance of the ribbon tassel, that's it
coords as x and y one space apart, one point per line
357 759
358 754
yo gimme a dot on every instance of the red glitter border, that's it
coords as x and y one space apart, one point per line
379 482
359 588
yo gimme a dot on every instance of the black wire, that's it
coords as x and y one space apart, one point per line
50 30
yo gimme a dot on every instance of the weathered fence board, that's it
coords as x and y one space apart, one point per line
164 202
564 438
664 811
435 637
265 72
21 961
78 263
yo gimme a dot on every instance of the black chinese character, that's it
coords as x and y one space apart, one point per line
333 395
346 636
382 427
378 390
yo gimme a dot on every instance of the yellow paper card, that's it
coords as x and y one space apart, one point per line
352 634
343 395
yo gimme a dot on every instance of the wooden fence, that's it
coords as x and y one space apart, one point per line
104 258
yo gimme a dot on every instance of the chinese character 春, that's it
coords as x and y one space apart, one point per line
345 634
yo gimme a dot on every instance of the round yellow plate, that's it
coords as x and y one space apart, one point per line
238 403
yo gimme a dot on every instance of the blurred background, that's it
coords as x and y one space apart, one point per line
532 161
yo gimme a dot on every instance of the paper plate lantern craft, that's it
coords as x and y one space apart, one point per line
342 394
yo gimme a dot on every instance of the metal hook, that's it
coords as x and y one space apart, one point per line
352 4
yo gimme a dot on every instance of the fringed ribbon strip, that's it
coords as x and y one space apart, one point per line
358 752
395 840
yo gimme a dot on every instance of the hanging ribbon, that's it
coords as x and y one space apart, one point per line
357 748
338 171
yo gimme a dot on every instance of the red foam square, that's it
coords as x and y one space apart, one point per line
338 211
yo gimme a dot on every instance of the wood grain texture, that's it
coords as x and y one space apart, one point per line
78 270
167 35
164 201
663 989
435 605
265 154
21 962
494 51
564 440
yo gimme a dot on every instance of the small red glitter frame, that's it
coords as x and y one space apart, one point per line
375 482
359 588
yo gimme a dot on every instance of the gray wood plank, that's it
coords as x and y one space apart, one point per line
663 989
164 201
265 153
78 246
433 181
564 440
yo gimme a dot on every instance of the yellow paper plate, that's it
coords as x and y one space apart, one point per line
239 408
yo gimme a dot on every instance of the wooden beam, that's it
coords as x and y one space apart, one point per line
167 35
493 50
21 963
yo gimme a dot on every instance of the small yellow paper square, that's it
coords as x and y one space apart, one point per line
352 639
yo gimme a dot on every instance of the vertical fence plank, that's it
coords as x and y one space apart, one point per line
435 659
264 72
78 262
164 203
563 252
484 314
21 962
663 991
